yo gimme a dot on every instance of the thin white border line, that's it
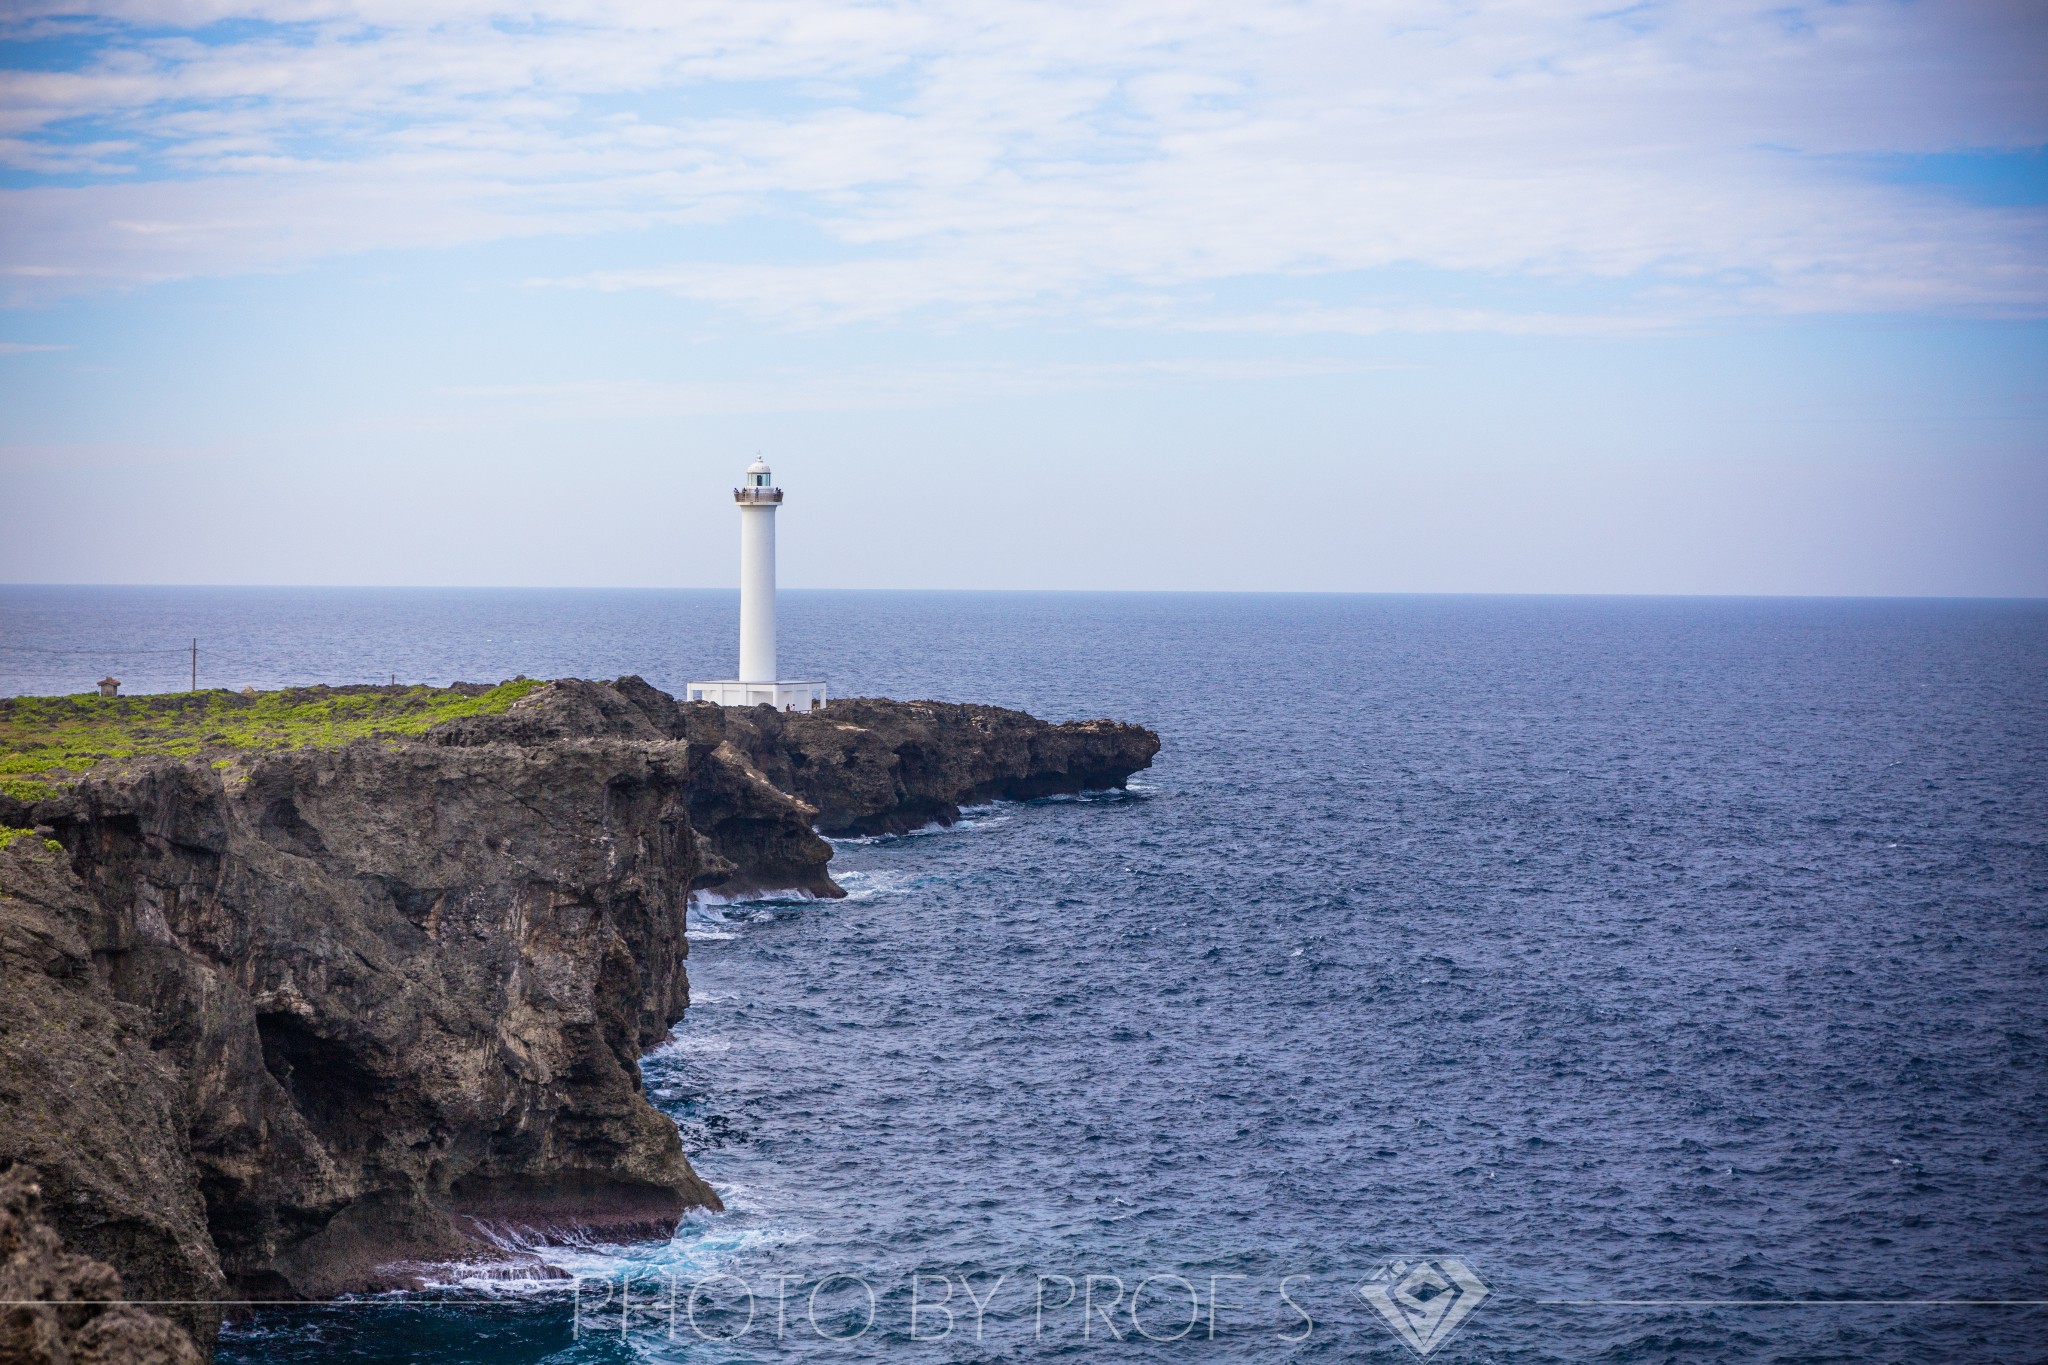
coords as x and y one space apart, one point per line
1794 1303
483 1300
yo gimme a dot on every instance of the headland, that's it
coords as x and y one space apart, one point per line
304 991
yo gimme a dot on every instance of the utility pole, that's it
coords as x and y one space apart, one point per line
195 663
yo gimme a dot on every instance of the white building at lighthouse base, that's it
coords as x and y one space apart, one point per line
783 696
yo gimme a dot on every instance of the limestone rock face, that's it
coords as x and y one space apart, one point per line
762 781
871 766
288 1022
753 835
403 991
85 1101
54 1303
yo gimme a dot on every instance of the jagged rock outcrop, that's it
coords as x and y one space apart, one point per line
86 1103
860 765
870 766
284 1022
59 1308
403 989
753 835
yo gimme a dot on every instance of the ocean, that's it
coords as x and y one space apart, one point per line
1674 969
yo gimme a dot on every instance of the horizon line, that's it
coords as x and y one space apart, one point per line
1069 592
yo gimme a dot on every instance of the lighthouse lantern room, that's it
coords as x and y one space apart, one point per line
757 685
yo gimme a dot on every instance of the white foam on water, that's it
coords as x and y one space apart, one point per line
683 1043
712 918
703 1245
971 818
858 840
722 919
704 924
699 1248
1095 797
786 896
490 1279
869 885
990 814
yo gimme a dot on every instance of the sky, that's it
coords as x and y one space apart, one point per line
1412 296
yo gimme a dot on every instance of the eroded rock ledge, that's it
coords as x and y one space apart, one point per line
868 766
318 1012
279 1022
60 1308
859 766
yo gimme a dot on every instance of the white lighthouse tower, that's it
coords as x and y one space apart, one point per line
757 684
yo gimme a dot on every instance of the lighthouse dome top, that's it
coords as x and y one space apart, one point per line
758 488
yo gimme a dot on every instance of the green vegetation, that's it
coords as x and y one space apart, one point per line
8 834
23 788
45 740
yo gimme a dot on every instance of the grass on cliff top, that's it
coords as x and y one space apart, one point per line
46 739
8 834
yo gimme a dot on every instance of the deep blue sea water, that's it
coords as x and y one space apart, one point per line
1625 949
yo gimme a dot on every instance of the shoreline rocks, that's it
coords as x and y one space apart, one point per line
288 1023
869 766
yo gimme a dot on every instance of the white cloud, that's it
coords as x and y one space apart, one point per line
867 388
1104 161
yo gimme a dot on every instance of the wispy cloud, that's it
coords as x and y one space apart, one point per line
860 388
26 347
1104 162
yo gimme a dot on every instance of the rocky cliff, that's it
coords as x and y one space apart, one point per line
283 1021
869 766
60 1308
348 1008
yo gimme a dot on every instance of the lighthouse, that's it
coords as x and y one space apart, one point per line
757 684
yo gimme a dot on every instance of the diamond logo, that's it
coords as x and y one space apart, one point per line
1424 1298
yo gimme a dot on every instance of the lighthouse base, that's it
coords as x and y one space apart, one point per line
783 696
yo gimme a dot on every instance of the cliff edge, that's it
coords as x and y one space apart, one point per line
362 1006
867 766
299 991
